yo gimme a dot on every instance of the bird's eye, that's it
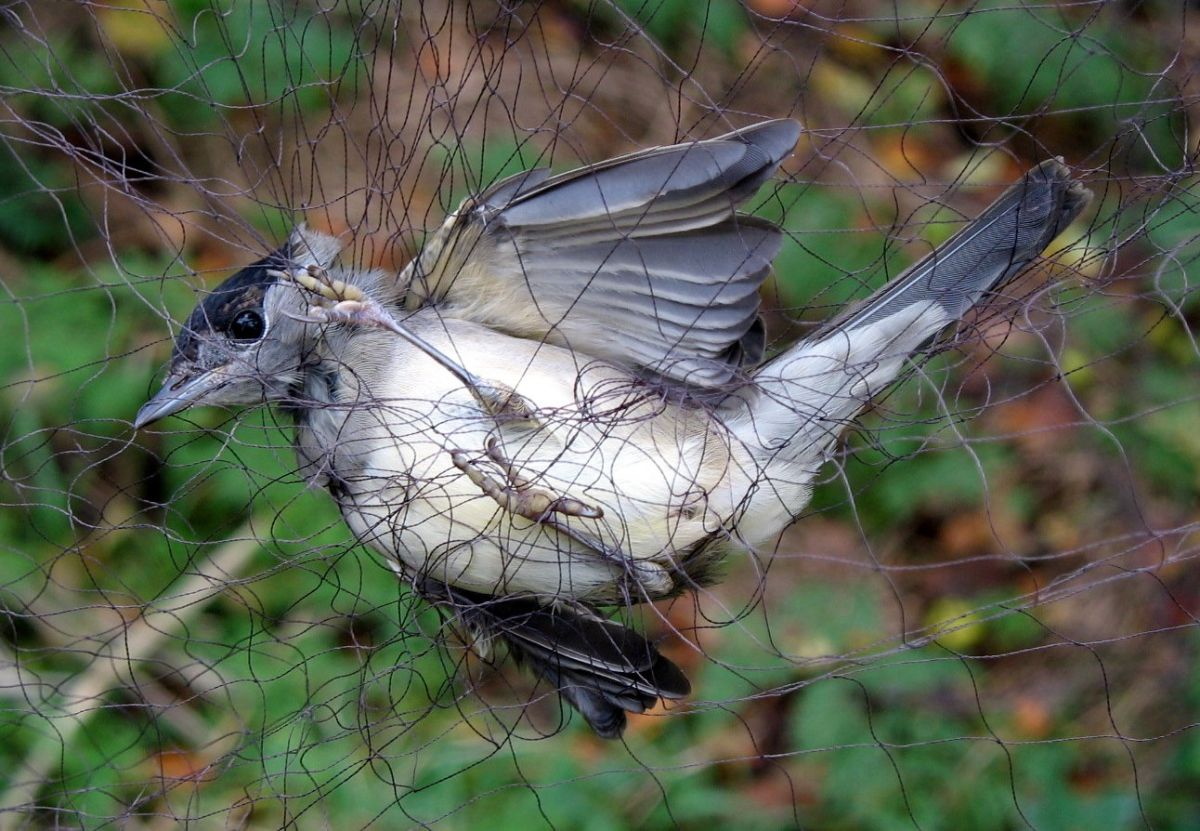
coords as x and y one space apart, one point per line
247 326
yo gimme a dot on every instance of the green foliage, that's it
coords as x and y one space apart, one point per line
905 95
1042 60
1175 231
40 212
254 53
470 168
824 261
675 23
63 84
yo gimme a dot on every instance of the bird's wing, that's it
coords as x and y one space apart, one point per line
641 259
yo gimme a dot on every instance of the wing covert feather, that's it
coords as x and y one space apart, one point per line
641 259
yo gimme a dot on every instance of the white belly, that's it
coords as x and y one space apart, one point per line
662 483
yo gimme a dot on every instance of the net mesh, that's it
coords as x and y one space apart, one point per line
987 616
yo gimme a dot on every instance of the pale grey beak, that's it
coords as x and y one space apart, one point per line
178 393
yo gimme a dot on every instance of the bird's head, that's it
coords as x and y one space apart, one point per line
243 345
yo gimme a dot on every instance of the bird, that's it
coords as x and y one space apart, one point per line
563 406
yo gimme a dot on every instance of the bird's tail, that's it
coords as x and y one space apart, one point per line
819 383
602 668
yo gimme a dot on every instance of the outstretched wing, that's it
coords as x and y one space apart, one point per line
641 259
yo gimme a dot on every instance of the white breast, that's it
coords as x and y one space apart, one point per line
663 476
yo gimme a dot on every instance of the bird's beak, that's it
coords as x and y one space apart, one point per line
179 391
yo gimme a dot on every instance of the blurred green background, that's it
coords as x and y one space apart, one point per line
987 618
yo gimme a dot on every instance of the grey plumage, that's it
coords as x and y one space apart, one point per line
648 243
830 376
604 669
508 456
992 248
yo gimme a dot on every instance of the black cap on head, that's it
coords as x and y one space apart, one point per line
247 289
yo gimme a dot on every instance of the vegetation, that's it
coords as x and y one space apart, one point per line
986 620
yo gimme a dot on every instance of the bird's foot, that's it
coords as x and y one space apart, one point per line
515 493
316 279
641 579
344 303
337 300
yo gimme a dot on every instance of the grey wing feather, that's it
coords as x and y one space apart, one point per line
640 259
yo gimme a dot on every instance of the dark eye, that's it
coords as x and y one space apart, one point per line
248 326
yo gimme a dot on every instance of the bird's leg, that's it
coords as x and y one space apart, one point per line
341 302
518 496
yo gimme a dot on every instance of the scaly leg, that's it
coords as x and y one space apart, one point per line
518 496
340 302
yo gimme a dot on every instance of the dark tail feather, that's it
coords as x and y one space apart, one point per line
600 667
985 254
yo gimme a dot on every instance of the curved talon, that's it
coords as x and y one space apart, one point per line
496 454
574 507
316 315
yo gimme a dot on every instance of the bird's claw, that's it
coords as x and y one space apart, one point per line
337 300
316 279
516 494
341 302
350 312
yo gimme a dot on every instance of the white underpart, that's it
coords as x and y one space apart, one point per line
653 471
807 396
666 478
